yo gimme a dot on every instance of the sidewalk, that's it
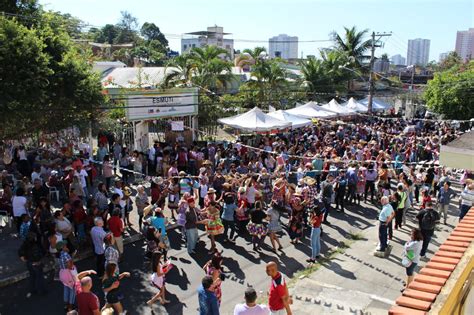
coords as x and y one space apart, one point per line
356 281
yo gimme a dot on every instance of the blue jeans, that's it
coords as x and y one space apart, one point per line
191 239
382 236
315 242
36 277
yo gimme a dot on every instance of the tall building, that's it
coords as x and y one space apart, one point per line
213 36
283 46
465 44
398 60
418 52
443 56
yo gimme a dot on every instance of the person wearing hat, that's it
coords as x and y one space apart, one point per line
296 222
210 197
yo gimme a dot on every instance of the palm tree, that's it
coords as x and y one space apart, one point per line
353 44
315 76
212 72
179 71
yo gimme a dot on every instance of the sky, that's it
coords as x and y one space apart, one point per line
252 22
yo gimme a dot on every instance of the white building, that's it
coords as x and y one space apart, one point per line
283 46
418 52
213 36
398 60
465 44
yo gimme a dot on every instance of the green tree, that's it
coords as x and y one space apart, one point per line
179 71
353 44
46 83
107 34
450 92
450 61
127 28
211 71
151 32
21 7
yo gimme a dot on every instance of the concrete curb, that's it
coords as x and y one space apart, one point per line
83 255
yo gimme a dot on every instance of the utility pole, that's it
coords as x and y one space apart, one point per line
372 60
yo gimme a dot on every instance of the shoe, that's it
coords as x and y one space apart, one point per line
310 260
280 248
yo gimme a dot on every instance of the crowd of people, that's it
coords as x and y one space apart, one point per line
232 190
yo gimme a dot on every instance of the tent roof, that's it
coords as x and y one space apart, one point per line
377 104
296 121
354 105
255 120
311 110
334 106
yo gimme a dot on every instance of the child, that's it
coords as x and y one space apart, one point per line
360 186
242 212
158 279
182 206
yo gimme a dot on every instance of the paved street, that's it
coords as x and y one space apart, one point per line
368 280
243 268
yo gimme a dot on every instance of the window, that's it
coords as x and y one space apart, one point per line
185 46
194 45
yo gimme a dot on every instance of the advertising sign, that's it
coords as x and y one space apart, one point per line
163 103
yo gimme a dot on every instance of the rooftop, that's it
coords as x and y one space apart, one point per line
466 141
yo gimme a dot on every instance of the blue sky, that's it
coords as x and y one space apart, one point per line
308 19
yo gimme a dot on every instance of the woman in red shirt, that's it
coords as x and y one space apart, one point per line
316 217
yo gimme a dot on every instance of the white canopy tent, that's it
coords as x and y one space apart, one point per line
354 105
296 121
255 120
334 106
377 104
311 110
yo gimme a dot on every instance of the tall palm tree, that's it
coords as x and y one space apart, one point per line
353 44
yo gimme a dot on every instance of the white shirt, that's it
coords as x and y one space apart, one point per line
120 193
203 191
19 206
82 175
244 309
22 154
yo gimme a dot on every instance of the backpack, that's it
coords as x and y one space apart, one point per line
428 222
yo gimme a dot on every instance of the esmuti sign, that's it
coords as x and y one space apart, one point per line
156 104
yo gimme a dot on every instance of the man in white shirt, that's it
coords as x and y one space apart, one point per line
250 307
